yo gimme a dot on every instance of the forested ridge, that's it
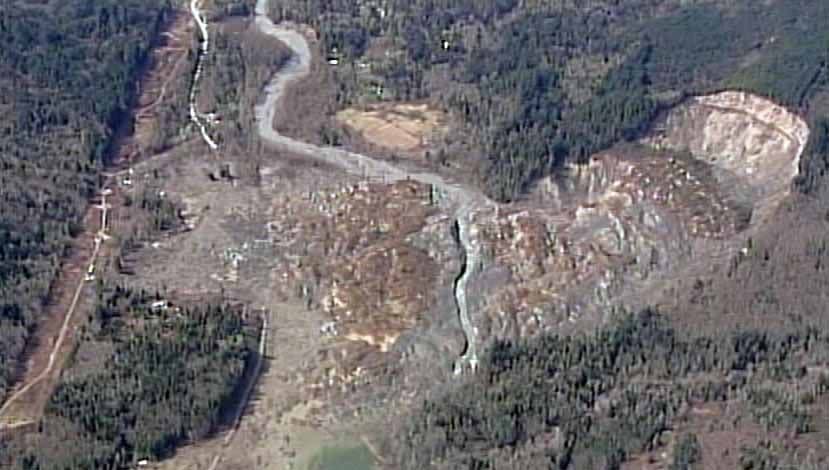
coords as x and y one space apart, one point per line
593 402
543 82
166 381
67 76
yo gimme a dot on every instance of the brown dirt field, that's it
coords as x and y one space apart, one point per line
398 125
402 126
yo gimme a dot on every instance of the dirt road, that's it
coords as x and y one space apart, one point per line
27 402
240 407
8 419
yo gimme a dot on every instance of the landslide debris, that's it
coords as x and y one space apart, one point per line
615 231
606 235
375 256
753 144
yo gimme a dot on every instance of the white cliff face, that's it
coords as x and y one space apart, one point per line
752 141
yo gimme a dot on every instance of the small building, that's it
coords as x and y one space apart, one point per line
159 306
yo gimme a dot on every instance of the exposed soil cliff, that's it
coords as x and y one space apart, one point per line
615 232
753 144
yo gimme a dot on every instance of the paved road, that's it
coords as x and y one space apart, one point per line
465 200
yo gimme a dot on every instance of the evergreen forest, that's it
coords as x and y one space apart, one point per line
167 379
596 401
67 79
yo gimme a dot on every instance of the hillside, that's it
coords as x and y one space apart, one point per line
480 234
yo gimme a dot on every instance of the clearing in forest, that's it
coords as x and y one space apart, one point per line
399 126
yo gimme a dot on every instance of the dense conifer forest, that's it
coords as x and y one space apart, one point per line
67 76
168 376
593 402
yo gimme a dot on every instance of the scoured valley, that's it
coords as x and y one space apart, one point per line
432 286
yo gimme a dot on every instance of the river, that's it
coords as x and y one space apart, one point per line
463 200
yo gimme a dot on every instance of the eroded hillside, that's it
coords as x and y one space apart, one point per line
380 274
609 235
616 231
753 145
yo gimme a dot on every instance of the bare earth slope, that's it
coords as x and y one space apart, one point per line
616 232
751 141
383 254
609 234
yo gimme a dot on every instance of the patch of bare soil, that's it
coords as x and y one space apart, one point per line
399 127
377 258
636 222
406 133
